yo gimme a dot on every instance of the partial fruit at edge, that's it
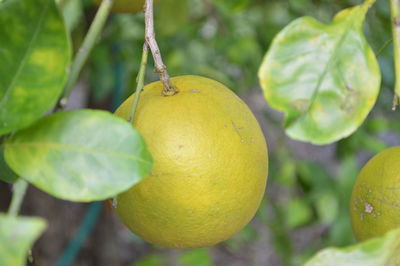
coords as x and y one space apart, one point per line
210 165
375 200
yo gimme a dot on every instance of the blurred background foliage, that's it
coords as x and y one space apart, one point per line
306 204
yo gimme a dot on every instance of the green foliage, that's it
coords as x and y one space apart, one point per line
34 56
375 252
151 260
198 257
245 237
224 40
17 235
100 79
83 155
6 174
298 212
164 9
324 77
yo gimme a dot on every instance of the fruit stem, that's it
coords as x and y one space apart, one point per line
19 191
160 68
139 80
395 18
87 46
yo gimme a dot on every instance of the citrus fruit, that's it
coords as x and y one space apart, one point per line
125 6
210 165
375 200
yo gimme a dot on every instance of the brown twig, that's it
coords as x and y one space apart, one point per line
160 68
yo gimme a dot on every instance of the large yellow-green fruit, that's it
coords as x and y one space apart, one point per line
375 201
210 165
125 6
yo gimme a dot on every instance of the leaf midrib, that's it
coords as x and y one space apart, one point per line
326 69
25 56
58 146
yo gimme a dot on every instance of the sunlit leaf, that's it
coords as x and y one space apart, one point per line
34 55
382 251
324 77
80 155
17 235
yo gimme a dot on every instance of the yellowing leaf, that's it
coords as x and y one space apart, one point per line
324 77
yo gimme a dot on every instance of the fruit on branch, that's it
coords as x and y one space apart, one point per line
210 165
125 6
375 200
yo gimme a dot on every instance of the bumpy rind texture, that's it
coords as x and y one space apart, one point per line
210 165
375 200
125 6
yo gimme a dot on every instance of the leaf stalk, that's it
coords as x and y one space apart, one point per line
88 43
19 190
140 81
395 18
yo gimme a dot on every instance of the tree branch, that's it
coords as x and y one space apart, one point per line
160 68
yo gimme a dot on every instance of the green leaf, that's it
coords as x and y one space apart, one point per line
298 213
198 257
34 56
6 174
327 206
17 235
83 155
324 77
232 6
375 252
151 260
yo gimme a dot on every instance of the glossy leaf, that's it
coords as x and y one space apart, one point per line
83 155
34 56
324 77
17 235
375 252
6 174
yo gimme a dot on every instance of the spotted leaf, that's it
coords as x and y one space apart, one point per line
324 77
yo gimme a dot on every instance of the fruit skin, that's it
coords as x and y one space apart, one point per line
125 6
210 165
375 200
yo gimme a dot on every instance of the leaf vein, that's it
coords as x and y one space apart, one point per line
25 56
79 148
